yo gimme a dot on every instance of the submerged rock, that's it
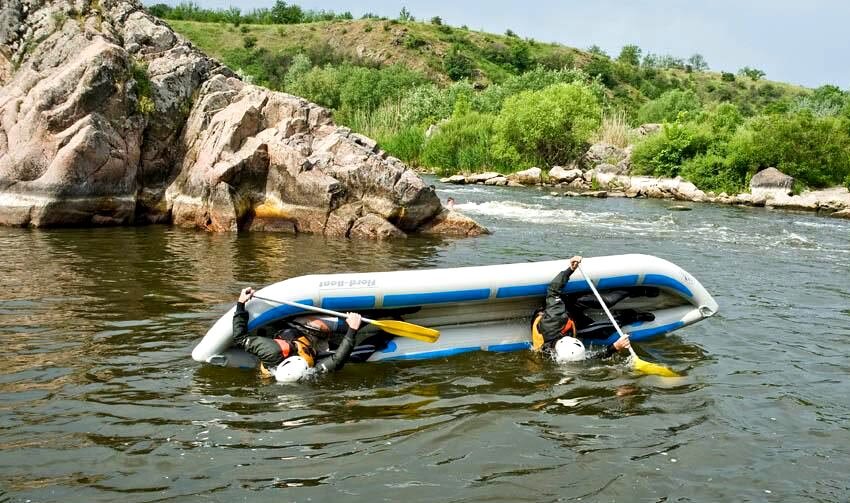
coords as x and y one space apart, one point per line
452 223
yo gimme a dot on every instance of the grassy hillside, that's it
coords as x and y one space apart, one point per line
505 103
423 47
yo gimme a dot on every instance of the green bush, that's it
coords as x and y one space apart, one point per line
319 85
663 154
668 106
815 151
556 60
406 144
463 143
366 88
349 88
630 55
825 101
711 172
491 99
601 68
727 77
550 126
752 73
412 41
266 68
457 65
723 120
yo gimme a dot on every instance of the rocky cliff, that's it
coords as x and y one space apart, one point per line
107 117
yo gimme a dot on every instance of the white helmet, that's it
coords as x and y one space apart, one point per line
569 349
291 369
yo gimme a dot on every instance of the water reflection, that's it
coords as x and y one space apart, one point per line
99 399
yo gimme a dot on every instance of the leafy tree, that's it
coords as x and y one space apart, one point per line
233 15
601 67
698 63
520 56
630 55
752 73
668 106
510 33
597 51
437 20
727 77
282 13
298 68
550 126
457 65
159 10
405 15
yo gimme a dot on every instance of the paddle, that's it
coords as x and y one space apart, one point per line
640 365
395 327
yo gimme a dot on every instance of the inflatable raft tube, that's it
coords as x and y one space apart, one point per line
483 308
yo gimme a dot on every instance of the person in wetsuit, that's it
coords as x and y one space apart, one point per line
305 339
554 322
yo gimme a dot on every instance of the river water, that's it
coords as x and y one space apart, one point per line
100 401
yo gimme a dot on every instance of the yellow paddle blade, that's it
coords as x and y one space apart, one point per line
652 368
405 329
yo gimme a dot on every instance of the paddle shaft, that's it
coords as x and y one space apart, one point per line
311 308
604 307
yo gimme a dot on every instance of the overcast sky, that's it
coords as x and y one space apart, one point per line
802 41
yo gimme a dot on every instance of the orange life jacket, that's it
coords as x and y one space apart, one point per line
537 338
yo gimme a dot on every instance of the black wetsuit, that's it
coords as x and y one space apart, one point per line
269 352
556 316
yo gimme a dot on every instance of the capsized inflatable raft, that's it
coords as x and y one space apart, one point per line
485 308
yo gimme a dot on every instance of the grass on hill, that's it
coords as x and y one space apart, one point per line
505 103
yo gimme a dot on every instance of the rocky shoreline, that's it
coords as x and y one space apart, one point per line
604 172
108 117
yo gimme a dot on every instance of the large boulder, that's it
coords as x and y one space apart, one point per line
253 155
481 177
771 183
603 153
530 176
109 117
559 174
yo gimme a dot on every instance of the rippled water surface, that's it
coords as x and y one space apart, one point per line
100 401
